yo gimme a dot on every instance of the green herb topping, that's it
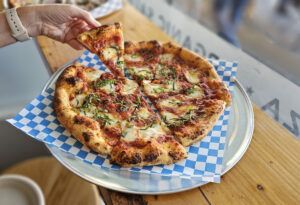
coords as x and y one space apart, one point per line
152 123
158 90
102 83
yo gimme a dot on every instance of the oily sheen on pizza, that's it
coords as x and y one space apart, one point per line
107 112
184 87
109 115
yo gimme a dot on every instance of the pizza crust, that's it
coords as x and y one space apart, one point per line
153 153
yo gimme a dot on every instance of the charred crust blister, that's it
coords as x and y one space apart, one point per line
173 156
71 80
151 157
127 43
125 159
56 102
87 136
78 120
154 42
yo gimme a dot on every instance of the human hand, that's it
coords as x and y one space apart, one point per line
61 22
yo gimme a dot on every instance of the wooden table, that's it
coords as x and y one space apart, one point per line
268 172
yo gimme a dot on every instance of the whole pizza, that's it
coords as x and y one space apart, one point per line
108 112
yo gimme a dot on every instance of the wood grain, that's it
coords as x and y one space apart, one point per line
59 185
267 174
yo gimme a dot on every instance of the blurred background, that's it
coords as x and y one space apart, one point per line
268 30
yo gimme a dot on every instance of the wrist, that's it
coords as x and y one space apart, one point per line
30 19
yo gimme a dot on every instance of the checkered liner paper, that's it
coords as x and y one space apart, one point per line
204 161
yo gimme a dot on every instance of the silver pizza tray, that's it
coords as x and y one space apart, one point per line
239 134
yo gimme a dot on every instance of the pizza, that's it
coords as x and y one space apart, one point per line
107 42
109 114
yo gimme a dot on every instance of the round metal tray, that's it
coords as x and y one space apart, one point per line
239 134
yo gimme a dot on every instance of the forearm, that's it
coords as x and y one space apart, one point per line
29 19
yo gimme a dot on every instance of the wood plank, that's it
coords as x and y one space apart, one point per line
59 185
267 174
56 53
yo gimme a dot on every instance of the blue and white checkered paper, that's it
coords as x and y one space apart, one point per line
106 8
204 160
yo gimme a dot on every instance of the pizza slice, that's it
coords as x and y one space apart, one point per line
190 119
107 43
110 116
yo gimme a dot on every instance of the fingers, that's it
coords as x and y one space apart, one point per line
75 44
87 17
75 28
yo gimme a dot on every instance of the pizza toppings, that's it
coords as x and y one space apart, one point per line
178 86
108 113
107 42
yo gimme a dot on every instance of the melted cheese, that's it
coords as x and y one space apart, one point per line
93 75
108 88
154 131
169 117
170 102
144 72
78 100
192 76
185 108
166 57
162 72
157 89
88 112
109 53
133 57
92 111
113 120
132 133
197 92
129 87
143 113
